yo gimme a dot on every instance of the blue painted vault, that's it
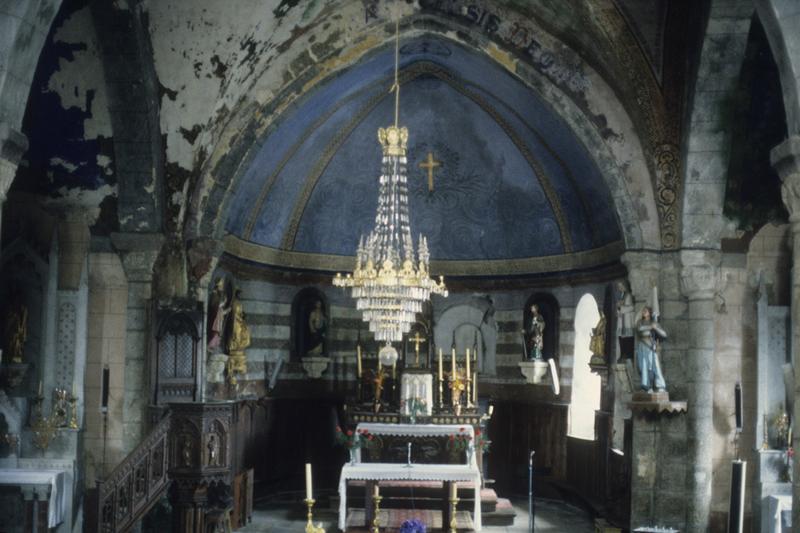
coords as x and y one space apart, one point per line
514 182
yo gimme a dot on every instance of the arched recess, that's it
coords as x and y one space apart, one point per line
585 385
460 324
615 145
549 309
302 307
709 138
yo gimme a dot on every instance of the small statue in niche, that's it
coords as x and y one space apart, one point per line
213 450
16 332
597 344
240 331
535 342
217 316
625 324
239 339
187 449
317 328
649 335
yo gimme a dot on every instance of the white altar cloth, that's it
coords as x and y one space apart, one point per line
773 507
19 477
421 430
414 472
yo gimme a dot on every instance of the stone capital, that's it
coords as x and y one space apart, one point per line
13 145
643 271
138 252
7 172
785 158
700 273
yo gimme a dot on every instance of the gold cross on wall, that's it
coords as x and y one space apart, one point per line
429 165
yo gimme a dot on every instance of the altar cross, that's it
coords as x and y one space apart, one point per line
417 340
429 164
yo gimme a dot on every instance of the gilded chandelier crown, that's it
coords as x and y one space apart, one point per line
393 140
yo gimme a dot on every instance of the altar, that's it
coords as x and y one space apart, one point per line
47 486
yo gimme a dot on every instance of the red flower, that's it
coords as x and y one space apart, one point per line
462 429
477 432
349 432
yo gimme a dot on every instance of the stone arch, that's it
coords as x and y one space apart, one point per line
460 323
708 142
616 146
26 24
781 19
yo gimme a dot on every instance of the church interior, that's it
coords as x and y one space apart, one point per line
399 265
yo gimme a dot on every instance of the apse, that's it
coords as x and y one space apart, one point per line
498 182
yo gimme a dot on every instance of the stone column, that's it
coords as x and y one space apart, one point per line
699 283
138 252
786 160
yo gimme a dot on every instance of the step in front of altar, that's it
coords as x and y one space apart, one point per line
392 519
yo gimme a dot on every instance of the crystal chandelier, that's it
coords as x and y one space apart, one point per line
391 281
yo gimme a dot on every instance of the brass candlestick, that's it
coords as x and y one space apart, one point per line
310 527
376 522
453 523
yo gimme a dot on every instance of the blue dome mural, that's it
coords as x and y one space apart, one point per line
512 181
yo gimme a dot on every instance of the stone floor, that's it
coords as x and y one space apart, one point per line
551 517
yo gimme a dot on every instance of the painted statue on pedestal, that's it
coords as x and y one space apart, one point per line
649 335
535 333
317 328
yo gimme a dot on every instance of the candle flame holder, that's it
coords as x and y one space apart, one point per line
453 522
376 521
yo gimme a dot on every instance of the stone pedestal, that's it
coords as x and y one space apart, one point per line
659 470
315 366
534 371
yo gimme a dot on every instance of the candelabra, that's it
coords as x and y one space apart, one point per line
310 527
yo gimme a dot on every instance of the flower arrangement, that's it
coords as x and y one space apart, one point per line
416 407
481 442
459 441
415 525
352 440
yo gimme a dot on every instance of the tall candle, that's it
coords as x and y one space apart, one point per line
308 481
441 373
453 363
358 359
452 490
40 387
475 388
394 369
375 490
467 362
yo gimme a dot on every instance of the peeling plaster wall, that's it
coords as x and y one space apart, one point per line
70 158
